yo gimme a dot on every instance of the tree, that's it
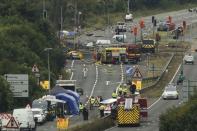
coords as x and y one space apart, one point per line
6 97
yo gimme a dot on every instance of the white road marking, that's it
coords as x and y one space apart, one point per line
71 76
96 80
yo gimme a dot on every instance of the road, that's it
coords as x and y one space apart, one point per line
95 84
177 17
190 72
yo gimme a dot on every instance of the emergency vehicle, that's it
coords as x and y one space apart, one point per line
113 55
148 45
131 110
133 52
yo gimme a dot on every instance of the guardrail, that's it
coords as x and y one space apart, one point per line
158 79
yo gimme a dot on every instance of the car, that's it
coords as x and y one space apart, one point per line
120 38
170 92
75 55
189 59
129 17
162 26
90 45
39 115
89 34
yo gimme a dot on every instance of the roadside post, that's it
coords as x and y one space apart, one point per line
35 70
135 32
157 38
141 28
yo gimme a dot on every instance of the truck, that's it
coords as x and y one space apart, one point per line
133 53
148 46
69 85
113 55
131 110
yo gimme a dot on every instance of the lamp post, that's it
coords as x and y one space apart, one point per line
49 76
78 21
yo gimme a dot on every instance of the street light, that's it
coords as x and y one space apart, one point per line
78 21
49 76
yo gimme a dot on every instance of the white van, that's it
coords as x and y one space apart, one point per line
103 42
25 118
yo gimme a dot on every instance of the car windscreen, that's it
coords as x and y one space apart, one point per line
36 112
170 89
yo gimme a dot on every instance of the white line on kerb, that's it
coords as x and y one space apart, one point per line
71 67
161 96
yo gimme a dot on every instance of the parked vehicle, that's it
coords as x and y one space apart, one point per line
25 118
113 55
189 59
131 110
166 26
129 17
133 53
170 92
148 46
75 55
120 38
103 42
39 115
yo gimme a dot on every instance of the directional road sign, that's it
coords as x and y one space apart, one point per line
19 84
129 70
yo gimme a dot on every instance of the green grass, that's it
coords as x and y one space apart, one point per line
156 90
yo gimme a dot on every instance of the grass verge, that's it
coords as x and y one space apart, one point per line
95 125
156 90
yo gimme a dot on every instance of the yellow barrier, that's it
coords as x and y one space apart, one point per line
62 123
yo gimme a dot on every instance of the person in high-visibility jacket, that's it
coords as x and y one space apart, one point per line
125 90
81 106
92 101
101 109
120 89
114 94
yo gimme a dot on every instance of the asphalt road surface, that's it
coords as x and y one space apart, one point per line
112 74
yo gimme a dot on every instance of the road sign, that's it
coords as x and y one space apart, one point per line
138 84
44 84
12 124
35 69
137 74
19 84
129 70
